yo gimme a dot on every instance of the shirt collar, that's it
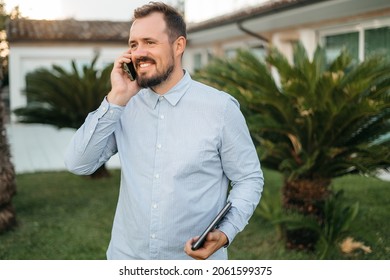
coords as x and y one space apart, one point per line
173 96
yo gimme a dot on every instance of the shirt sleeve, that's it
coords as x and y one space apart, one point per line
241 165
94 142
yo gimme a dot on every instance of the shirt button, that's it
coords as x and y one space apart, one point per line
159 146
162 117
157 176
155 205
104 109
153 236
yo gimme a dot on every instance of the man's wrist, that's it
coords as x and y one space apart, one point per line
117 99
224 240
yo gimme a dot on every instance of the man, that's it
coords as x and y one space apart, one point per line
180 143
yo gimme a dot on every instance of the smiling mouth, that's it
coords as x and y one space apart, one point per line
144 63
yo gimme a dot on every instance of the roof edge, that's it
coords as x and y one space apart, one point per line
267 8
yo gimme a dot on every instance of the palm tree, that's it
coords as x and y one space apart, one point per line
313 121
64 98
7 178
7 172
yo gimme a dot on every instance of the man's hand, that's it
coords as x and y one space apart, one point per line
214 241
122 88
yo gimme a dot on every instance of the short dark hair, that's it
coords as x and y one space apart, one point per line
176 25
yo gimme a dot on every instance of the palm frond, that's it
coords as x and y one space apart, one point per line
323 119
63 98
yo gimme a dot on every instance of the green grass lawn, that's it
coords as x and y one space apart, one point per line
371 226
63 216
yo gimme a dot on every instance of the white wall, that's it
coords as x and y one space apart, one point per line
36 147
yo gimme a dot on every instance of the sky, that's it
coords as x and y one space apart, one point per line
119 10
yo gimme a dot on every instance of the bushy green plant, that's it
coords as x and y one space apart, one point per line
270 209
63 98
314 121
337 223
333 228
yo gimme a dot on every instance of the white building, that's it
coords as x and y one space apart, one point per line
41 43
362 25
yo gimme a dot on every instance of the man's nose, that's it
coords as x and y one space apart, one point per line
139 52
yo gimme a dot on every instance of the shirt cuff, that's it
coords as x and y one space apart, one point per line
229 230
109 111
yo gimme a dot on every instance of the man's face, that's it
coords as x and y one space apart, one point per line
152 52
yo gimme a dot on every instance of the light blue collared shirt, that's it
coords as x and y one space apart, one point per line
178 153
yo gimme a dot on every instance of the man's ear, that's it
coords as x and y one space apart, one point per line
180 45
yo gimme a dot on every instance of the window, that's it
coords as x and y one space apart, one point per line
230 53
359 39
335 43
197 61
260 52
377 40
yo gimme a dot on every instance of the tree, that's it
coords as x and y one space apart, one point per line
7 178
7 172
64 98
4 48
318 121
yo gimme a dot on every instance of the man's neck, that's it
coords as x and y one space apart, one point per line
173 79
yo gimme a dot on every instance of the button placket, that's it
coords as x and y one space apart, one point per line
155 225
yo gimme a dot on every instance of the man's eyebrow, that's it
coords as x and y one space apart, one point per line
143 39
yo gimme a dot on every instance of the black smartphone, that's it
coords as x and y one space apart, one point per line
211 226
130 70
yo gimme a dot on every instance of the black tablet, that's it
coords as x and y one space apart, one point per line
211 226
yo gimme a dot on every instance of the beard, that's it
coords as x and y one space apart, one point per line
158 78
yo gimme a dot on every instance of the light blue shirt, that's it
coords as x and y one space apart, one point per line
178 153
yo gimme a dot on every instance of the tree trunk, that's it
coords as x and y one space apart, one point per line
7 178
306 197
